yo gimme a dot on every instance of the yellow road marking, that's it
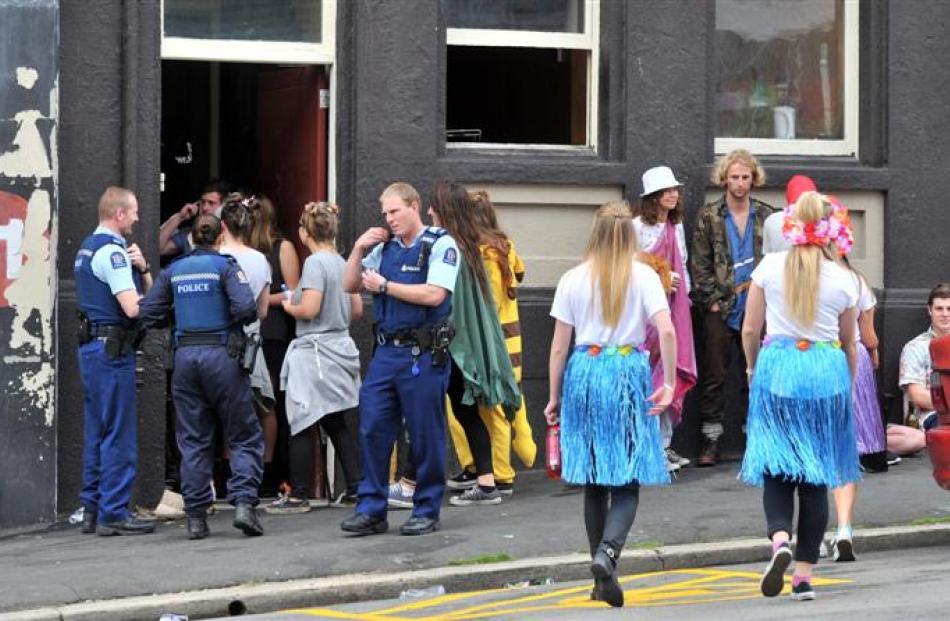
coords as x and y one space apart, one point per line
689 587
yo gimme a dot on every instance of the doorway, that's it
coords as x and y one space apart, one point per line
261 128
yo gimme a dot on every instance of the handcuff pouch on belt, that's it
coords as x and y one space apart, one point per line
428 338
243 348
119 340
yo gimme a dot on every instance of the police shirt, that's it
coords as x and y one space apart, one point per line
111 263
443 260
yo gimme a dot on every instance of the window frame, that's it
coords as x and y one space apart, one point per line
848 144
588 40
247 50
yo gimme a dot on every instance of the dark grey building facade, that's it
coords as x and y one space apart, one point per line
402 89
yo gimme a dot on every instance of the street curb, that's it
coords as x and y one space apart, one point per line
258 598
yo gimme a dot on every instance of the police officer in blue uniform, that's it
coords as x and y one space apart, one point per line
109 283
411 274
212 300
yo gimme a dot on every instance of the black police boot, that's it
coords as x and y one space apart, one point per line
247 520
604 568
198 527
418 525
88 522
362 524
130 526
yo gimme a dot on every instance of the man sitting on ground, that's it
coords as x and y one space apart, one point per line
915 370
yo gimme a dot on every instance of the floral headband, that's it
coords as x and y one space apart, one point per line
834 228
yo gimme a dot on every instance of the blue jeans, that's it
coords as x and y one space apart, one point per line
110 450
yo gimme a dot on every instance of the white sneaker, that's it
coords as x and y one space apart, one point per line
843 550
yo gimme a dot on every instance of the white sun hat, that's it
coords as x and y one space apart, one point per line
658 178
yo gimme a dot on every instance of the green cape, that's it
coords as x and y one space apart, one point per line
478 348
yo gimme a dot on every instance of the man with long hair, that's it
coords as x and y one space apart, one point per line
727 245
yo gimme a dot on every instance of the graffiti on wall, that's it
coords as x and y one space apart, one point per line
27 165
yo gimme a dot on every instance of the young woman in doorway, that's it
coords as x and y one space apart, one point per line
277 329
321 371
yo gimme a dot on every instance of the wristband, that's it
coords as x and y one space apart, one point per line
668 387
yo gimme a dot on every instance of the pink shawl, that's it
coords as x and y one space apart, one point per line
667 248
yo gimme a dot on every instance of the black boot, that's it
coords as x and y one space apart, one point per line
129 526
362 524
247 520
88 522
198 527
604 568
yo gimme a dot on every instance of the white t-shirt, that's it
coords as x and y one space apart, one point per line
866 301
837 292
772 238
255 266
649 234
576 303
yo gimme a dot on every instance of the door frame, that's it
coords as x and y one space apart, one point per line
272 53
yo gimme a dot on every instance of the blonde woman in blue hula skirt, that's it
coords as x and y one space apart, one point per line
800 426
604 400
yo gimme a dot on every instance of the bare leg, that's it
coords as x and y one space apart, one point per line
905 440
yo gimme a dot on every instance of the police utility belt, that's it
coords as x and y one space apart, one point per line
119 340
428 338
242 347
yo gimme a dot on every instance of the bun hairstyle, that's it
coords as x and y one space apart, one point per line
239 214
206 231
321 221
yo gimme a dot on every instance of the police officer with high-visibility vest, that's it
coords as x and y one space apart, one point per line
212 301
411 273
110 279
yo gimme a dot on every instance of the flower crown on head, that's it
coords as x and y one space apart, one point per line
833 228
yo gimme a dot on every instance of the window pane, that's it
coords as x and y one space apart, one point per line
781 69
537 15
517 95
253 20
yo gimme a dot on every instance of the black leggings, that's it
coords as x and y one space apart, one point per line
475 430
609 512
301 454
778 498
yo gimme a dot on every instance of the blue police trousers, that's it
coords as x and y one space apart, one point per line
391 393
209 386
110 452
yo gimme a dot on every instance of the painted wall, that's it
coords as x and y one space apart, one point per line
110 91
29 102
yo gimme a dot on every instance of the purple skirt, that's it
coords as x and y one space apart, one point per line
868 425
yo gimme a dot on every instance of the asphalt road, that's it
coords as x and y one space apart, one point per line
908 584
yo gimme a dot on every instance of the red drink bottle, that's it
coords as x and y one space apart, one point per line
553 462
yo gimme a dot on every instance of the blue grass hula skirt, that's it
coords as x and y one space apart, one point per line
607 434
800 423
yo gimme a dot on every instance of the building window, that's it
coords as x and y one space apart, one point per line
285 31
521 73
787 78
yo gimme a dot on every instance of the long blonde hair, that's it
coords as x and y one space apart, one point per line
611 251
803 263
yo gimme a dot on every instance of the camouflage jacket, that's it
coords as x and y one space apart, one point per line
710 258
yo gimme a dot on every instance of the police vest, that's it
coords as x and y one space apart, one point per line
408 266
201 303
96 299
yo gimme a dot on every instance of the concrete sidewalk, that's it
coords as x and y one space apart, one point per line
701 519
